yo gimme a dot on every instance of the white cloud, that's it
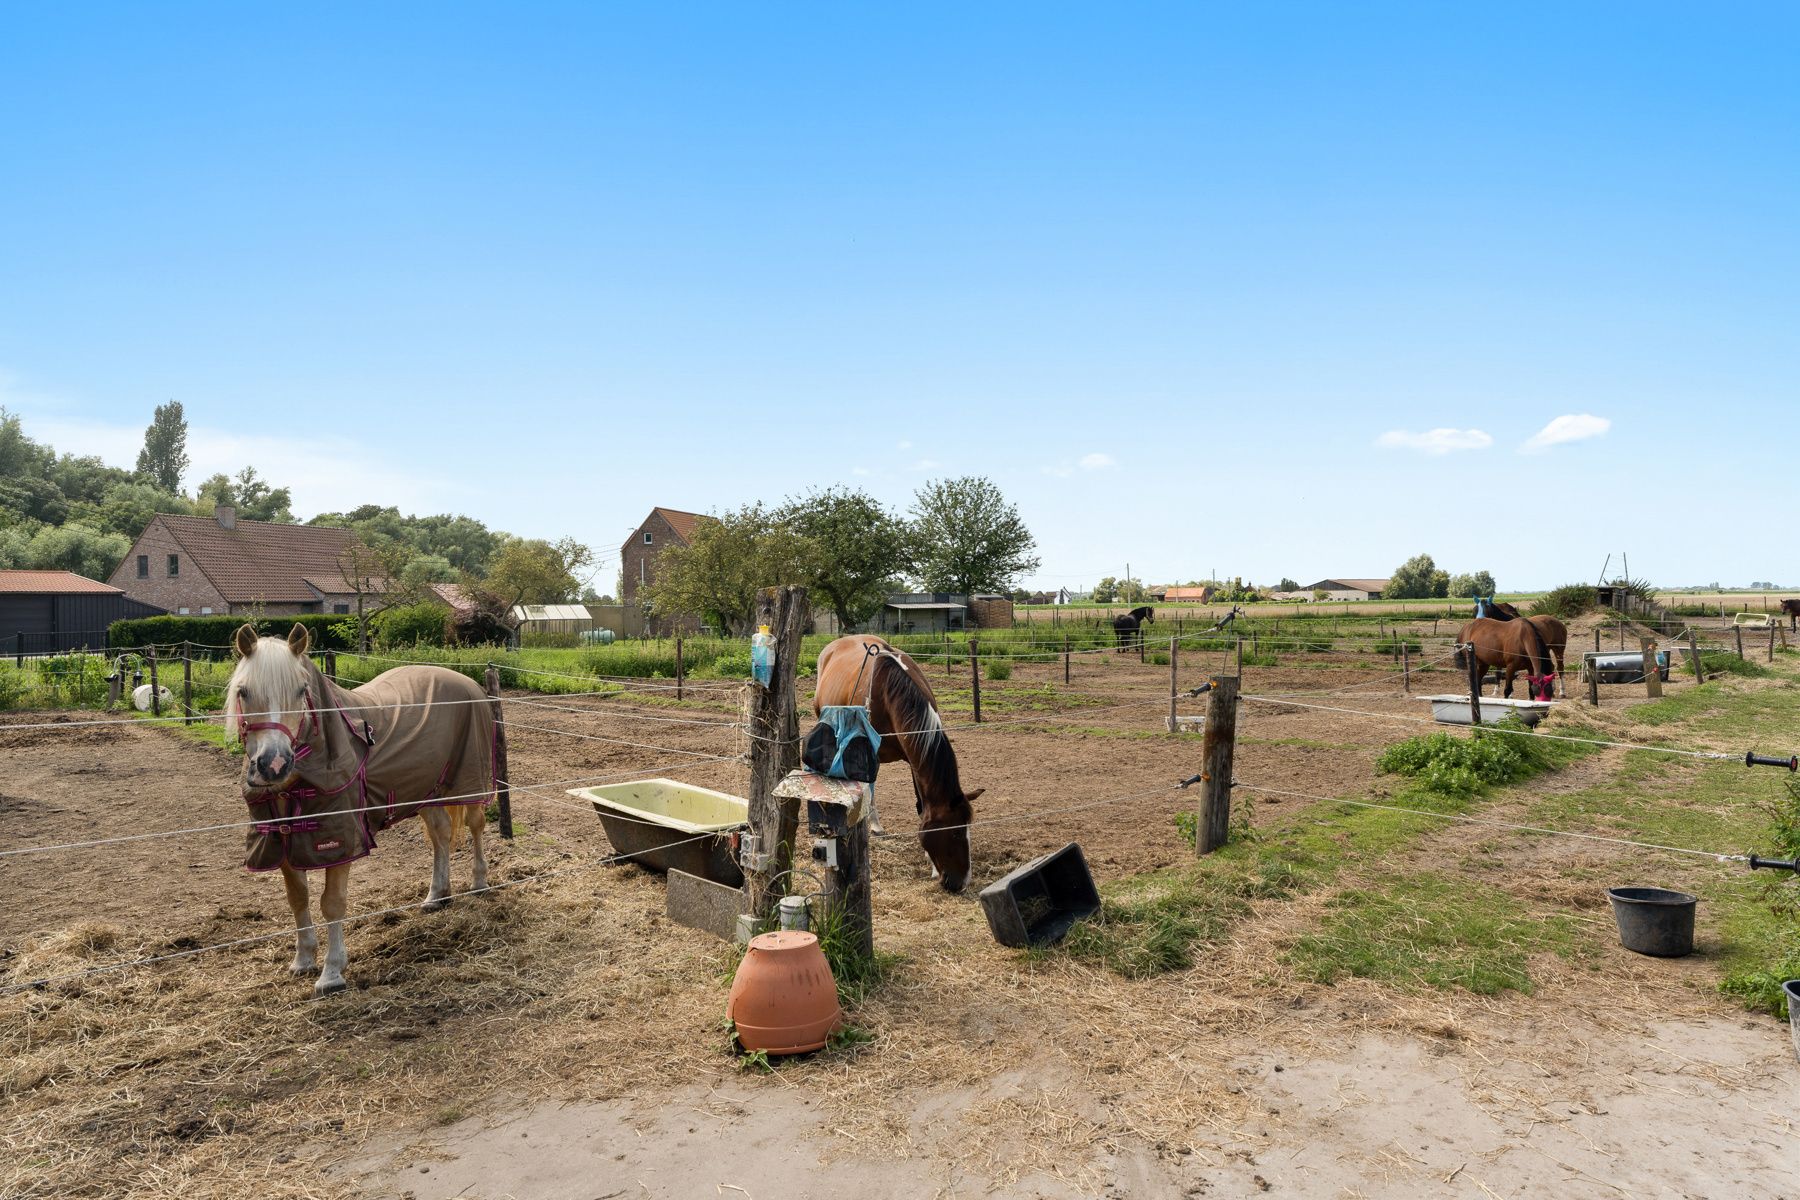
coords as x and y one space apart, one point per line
1573 427
905 445
1097 462
1435 441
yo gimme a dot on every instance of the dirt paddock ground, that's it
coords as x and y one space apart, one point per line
562 1038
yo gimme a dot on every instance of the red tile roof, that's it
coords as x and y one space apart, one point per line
22 583
683 523
262 561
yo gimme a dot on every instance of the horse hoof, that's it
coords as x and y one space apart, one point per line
435 905
328 989
299 972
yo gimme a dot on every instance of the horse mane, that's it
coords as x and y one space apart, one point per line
269 673
918 726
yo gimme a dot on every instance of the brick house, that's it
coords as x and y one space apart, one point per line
219 564
664 527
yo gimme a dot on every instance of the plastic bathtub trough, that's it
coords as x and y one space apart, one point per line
1454 710
662 824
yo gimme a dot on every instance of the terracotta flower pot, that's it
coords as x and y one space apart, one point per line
783 998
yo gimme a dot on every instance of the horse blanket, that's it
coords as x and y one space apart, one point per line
411 738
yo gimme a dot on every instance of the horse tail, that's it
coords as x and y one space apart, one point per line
1538 650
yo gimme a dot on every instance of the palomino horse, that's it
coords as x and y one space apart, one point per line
325 769
864 670
1511 646
1553 631
1126 628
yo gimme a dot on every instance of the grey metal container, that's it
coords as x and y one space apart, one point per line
1791 989
1037 904
1654 921
1624 667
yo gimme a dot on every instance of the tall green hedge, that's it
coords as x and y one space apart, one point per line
218 632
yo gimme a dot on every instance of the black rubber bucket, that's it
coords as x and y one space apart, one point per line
1791 989
1655 921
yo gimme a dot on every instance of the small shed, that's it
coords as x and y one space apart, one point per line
911 614
51 612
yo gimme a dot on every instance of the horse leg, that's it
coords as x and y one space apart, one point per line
437 832
1511 670
306 950
477 826
333 905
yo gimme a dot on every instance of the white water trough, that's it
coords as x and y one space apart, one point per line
1454 710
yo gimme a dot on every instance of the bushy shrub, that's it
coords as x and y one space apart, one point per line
1456 766
999 669
412 625
1568 601
218 632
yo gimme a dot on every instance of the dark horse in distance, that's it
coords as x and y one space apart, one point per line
1792 609
1128 628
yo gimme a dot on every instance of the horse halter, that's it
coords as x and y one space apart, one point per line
296 737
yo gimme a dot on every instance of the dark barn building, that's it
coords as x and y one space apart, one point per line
47 612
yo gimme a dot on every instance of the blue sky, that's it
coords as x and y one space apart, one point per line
1195 285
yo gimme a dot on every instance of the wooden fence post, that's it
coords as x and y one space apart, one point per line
775 747
1406 666
115 683
1173 680
1213 827
187 685
975 675
19 648
1593 682
331 665
502 771
1065 660
1596 639
1738 633
155 690
1771 643
1476 671
1694 657
1652 676
680 674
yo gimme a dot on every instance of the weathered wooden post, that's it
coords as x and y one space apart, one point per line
115 683
1593 682
1065 660
774 748
1596 639
331 665
1476 671
155 690
680 673
1738 633
1694 658
19 648
502 770
975 676
1217 749
187 685
1406 667
1652 676
1173 680
1771 643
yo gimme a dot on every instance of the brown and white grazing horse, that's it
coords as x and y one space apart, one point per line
865 670
325 769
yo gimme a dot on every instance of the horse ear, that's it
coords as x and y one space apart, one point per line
246 640
970 797
298 640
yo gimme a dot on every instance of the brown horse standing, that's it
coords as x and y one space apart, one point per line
863 669
1553 631
1510 646
1792 609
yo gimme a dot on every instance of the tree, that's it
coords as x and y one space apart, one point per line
1463 585
76 548
534 571
857 548
966 538
164 458
1416 579
374 572
1106 591
250 494
1287 585
1484 584
717 574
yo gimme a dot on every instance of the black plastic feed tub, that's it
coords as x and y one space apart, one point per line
1654 921
1037 904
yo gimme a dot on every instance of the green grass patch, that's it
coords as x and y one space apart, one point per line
1431 931
1449 765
